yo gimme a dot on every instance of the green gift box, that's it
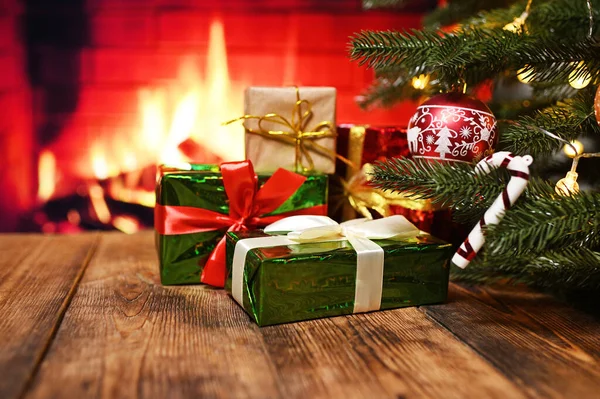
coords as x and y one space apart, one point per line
193 214
280 281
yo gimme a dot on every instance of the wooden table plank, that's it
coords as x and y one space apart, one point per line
391 354
127 336
38 275
549 349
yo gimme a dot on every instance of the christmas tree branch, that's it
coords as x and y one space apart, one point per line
567 20
568 268
474 51
467 56
547 60
567 120
385 92
446 183
564 20
547 223
457 11
496 17
478 53
409 49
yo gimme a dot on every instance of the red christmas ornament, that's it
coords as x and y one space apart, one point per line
452 127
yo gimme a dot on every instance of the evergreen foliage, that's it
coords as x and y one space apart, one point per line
477 54
567 119
545 239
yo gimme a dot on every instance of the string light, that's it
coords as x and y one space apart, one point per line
567 185
518 24
575 148
420 82
525 74
580 77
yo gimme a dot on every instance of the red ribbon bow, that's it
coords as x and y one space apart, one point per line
247 205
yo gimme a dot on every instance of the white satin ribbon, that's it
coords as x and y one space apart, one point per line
312 228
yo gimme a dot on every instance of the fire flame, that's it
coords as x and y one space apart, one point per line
126 224
222 102
177 122
46 175
99 164
99 203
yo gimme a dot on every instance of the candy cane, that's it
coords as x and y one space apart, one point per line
519 171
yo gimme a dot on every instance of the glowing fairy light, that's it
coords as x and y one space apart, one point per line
420 82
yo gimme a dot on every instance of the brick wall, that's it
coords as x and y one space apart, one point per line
17 147
140 44
87 59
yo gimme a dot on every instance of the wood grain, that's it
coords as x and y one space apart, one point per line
549 349
390 354
38 275
126 336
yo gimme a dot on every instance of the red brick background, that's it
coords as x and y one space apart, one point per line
17 153
133 46
133 43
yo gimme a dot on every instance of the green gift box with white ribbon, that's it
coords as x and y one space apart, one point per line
308 267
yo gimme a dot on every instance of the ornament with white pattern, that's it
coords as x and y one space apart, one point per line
452 127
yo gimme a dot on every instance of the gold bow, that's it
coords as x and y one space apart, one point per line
296 133
362 196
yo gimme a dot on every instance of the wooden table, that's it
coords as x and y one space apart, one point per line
85 316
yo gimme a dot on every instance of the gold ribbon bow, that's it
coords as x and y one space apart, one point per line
363 197
296 133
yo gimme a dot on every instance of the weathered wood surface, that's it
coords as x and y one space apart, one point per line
120 334
548 348
38 276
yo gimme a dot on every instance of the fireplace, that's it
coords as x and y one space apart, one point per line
95 93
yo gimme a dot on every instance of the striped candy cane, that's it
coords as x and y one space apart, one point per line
519 170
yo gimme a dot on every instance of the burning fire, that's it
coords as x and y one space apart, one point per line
177 122
98 203
190 109
99 164
47 175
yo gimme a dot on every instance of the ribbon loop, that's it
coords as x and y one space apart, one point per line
248 206
240 184
391 227
364 197
295 132
305 228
